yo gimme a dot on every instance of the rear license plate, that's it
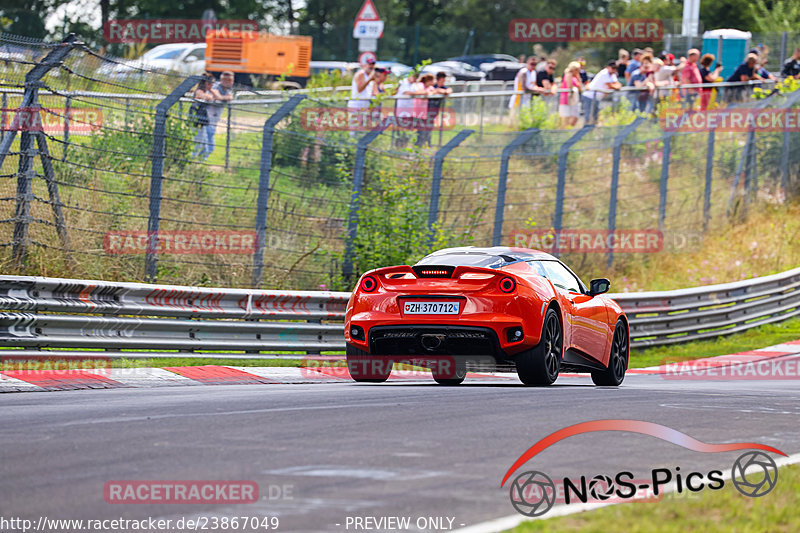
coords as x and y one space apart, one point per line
430 308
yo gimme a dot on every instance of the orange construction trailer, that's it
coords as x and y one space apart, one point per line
250 54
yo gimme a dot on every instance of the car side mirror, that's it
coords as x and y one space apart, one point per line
190 59
599 286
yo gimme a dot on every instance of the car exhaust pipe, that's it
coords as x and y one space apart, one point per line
432 341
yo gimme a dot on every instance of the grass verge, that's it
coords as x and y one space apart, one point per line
708 511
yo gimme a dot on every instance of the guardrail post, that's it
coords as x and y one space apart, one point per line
157 171
662 196
263 183
499 210
612 205
355 198
709 177
563 152
436 183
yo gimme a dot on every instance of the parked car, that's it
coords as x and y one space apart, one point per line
399 70
457 70
501 70
184 58
478 59
467 307
342 67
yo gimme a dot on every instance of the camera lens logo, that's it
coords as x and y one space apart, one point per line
532 493
754 474
601 488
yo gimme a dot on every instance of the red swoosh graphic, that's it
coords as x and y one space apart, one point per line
634 426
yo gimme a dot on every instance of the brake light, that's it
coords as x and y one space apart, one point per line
507 285
369 284
434 272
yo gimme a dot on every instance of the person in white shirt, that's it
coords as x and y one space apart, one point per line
361 87
604 81
525 80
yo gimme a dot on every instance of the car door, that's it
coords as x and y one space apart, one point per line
587 316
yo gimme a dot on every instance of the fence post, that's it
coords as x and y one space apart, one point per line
563 152
228 136
359 169
662 195
157 171
709 177
52 190
612 206
3 116
784 46
436 183
499 210
742 171
32 83
26 172
263 184
67 109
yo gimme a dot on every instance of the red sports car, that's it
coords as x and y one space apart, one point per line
464 308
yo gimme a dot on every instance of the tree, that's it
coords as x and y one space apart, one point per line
776 16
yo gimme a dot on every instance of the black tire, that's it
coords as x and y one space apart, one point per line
617 359
540 365
445 375
365 368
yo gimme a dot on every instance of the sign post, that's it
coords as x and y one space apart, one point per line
368 28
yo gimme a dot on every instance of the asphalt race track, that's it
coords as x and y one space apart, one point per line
323 454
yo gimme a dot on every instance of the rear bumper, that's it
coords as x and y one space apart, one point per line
432 340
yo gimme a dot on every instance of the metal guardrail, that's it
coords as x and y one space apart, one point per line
50 313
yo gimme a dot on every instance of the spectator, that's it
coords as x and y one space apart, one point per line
663 75
690 75
435 104
378 87
622 63
708 76
362 86
648 50
542 63
743 73
544 78
525 80
633 64
584 74
198 114
222 91
422 90
763 72
404 107
791 68
604 81
642 78
569 103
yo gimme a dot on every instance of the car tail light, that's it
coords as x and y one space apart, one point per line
433 271
507 285
369 284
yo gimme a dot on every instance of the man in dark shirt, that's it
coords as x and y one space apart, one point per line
791 68
545 79
744 72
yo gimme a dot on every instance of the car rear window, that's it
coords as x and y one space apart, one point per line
464 259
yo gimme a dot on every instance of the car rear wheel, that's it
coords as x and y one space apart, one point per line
540 365
617 359
365 368
450 374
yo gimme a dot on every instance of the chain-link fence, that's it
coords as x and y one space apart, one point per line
111 173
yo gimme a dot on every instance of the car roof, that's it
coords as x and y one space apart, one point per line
518 254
